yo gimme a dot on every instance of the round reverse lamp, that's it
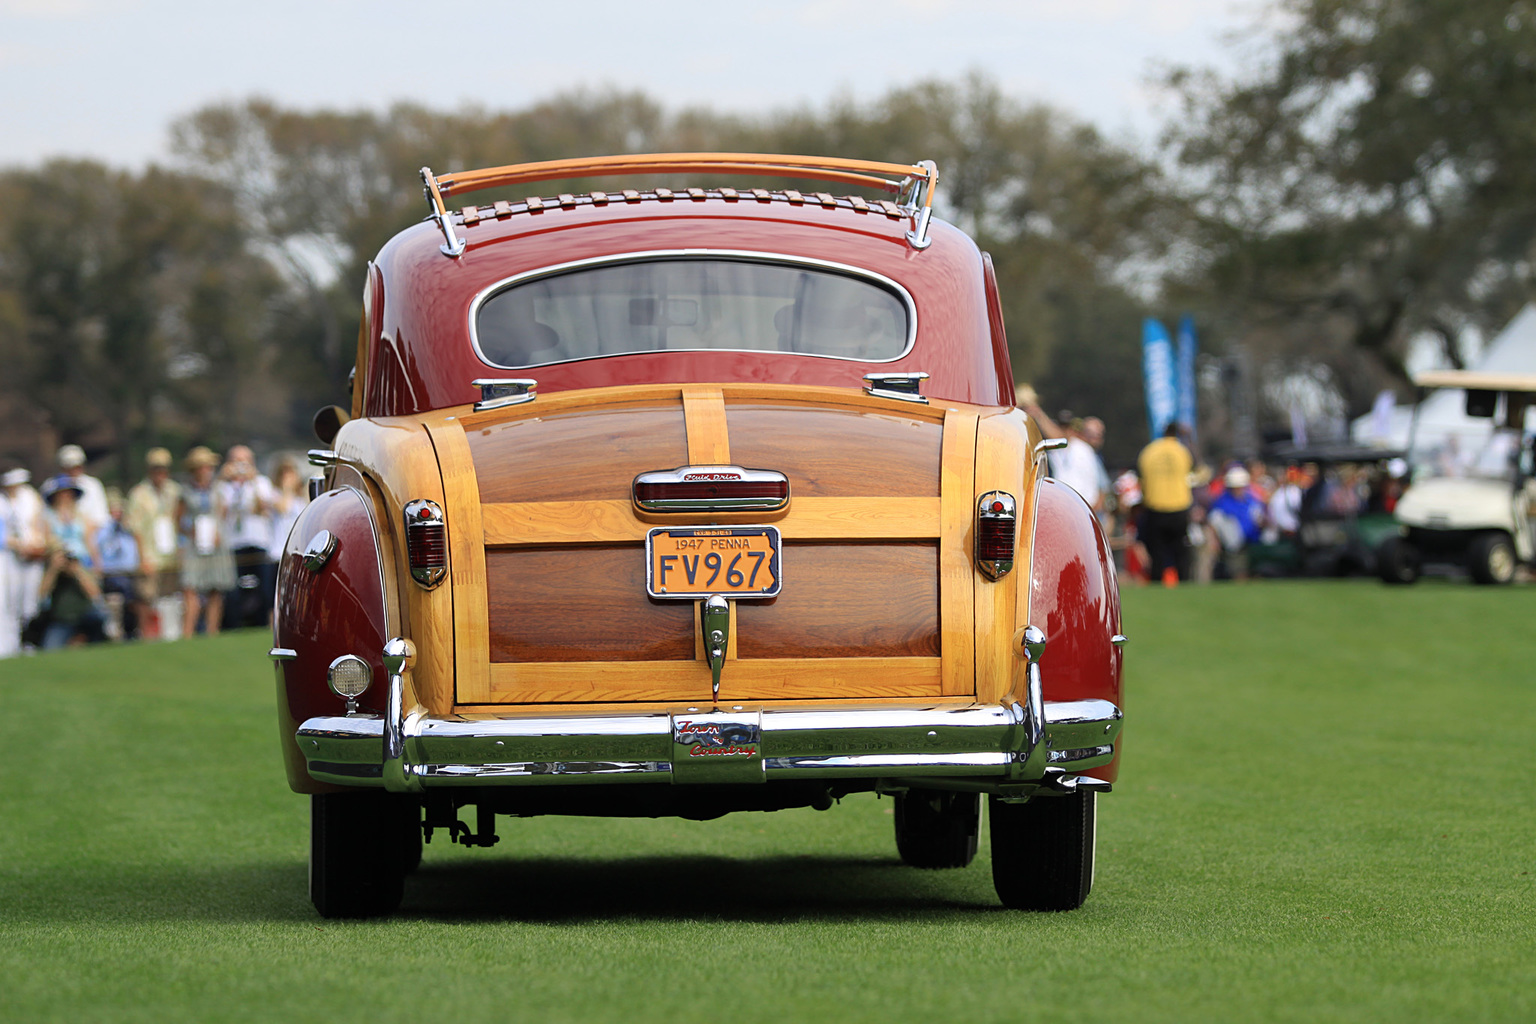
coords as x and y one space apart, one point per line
349 676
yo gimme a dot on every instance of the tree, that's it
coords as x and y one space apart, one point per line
1061 208
129 299
1373 180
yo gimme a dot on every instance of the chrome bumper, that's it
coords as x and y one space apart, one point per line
1010 749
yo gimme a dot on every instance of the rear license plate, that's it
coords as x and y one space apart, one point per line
732 561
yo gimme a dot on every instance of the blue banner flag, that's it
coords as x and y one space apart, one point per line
1157 369
1187 393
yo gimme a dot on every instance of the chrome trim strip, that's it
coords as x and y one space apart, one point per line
323 457
1119 639
989 744
678 254
904 387
1050 444
499 393
282 654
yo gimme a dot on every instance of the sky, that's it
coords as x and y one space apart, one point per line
105 78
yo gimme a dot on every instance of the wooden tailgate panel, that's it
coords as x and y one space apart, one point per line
872 606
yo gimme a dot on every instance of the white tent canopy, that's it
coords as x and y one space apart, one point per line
1442 415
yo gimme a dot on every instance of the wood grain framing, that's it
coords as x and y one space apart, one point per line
579 454
399 458
1002 458
956 571
837 452
709 442
466 557
614 522
581 604
846 600
744 680
797 396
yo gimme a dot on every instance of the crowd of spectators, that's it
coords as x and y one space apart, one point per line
80 563
1171 519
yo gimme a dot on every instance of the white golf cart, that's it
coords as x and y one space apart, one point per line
1471 513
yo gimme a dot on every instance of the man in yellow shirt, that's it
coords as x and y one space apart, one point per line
1164 467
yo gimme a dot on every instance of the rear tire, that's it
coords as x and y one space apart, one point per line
1397 561
937 829
1043 851
360 851
1491 558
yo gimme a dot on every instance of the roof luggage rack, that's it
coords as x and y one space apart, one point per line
914 183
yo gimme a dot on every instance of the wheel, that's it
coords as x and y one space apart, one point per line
1042 851
360 850
1397 561
1491 558
935 829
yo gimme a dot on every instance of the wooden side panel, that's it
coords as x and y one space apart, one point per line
1002 455
582 604
838 452
867 600
466 559
746 680
577 455
956 568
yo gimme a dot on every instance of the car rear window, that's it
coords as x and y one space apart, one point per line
679 304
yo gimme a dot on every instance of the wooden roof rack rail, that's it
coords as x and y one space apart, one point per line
914 183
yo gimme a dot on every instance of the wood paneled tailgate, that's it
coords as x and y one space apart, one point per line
878 595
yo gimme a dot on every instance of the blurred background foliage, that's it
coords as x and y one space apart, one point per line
1367 182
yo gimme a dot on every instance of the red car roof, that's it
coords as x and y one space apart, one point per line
422 357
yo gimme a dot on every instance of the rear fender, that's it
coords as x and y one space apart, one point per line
339 608
1075 599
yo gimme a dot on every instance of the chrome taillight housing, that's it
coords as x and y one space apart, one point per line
426 542
997 526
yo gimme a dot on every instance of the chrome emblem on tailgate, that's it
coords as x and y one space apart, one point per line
717 746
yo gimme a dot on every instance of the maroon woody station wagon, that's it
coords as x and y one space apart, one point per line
690 501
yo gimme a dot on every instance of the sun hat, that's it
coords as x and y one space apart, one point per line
70 456
158 458
202 455
1236 477
15 476
56 485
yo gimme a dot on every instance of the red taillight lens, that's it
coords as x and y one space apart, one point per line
996 534
994 538
428 546
426 542
774 491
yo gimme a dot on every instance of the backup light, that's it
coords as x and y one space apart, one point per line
348 677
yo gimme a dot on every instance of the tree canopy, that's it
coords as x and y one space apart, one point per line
1370 181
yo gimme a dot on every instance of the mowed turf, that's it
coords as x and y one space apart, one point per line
1325 813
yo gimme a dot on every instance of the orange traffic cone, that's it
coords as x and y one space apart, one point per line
1170 577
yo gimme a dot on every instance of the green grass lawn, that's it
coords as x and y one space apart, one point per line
1325 813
